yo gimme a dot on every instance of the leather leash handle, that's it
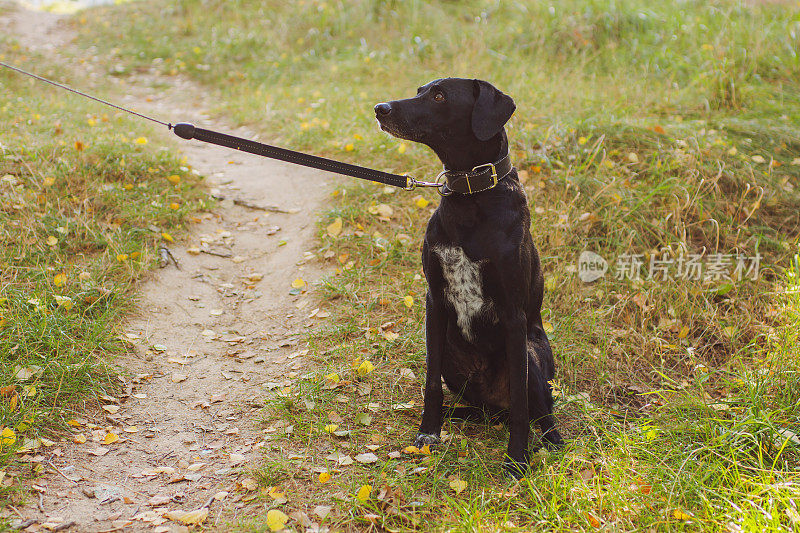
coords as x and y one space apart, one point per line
189 131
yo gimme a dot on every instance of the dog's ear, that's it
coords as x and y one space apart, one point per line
492 110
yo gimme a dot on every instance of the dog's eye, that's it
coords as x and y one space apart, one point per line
439 97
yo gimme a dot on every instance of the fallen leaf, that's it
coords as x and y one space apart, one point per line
298 283
363 493
99 451
322 511
110 438
680 515
324 477
52 241
80 438
177 378
458 485
409 301
366 458
197 516
112 409
335 228
249 483
7 437
237 458
276 519
365 368
167 237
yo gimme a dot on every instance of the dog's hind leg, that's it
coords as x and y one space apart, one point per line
540 397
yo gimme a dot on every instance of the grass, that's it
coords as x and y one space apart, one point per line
641 128
84 201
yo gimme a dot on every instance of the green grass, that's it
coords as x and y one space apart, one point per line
83 204
641 128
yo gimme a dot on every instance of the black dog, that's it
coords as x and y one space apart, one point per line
484 331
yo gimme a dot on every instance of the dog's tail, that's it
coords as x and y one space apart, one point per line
481 415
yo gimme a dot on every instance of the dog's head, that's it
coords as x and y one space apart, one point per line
453 116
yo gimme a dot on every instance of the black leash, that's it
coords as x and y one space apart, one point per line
461 182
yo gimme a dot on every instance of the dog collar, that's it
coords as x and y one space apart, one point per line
480 178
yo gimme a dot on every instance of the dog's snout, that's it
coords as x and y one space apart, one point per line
383 109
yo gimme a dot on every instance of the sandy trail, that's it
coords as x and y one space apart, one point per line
209 339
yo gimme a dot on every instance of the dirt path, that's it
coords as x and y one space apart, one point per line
209 339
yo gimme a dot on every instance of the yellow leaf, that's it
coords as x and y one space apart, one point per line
363 493
680 515
458 485
174 206
324 477
409 301
110 438
349 147
425 450
52 241
174 179
335 227
80 438
122 257
60 279
276 519
421 202
330 428
683 332
275 495
64 301
298 283
365 368
167 237
197 516
548 327
410 449
333 378
7 437
141 140
74 423
402 148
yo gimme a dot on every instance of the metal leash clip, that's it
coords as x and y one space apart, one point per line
412 183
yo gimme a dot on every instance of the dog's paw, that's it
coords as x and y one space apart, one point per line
552 441
515 469
426 439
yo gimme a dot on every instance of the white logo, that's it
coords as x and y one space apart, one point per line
591 266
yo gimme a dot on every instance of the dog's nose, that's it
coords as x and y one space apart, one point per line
383 109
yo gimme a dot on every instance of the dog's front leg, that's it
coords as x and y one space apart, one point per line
516 462
431 426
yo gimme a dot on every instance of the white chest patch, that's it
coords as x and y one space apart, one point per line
464 290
